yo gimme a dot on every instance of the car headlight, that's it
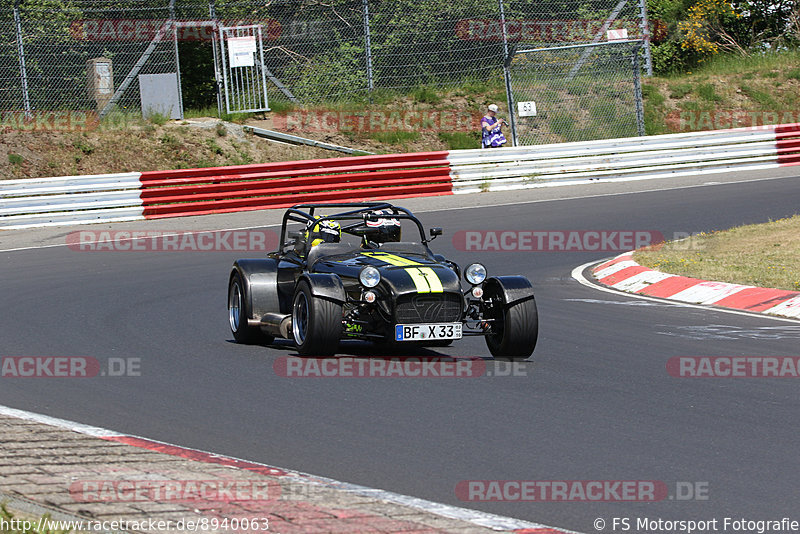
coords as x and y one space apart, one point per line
369 276
475 273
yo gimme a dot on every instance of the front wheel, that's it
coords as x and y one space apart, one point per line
514 331
316 323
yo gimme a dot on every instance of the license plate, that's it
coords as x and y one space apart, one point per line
427 332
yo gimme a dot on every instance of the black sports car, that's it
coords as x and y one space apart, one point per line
348 274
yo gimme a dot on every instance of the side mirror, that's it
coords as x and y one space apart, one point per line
436 232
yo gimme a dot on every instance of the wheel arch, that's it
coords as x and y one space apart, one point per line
326 286
260 280
514 289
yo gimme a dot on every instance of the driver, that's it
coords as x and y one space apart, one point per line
383 229
326 231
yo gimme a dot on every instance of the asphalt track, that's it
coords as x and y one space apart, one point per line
596 402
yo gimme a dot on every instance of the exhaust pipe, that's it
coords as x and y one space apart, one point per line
277 324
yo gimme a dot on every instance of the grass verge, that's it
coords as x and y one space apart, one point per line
729 91
13 524
762 255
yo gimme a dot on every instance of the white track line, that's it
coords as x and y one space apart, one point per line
577 274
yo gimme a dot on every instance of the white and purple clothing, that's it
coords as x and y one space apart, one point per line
493 138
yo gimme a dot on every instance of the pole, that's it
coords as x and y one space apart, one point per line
645 25
212 14
507 75
368 50
637 88
177 56
26 101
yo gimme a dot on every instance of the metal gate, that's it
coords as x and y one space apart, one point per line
243 72
577 93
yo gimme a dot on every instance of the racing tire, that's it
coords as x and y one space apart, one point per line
515 331
316 323
238 312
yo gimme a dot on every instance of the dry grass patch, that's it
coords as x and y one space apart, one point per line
764 255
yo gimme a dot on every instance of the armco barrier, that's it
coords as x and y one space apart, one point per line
130 196
632 158
70 200
276 185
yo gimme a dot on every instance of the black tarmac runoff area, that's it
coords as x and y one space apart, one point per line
594 403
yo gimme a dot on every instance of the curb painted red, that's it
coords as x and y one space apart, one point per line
624 274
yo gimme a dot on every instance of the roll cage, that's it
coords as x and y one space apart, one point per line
360 212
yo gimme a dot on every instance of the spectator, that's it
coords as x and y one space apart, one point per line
491 129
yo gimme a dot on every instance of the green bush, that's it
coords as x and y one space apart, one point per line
461 140
652 95
340 71
83 146
706 91
426 95
157 118
760 97
396 137
680 90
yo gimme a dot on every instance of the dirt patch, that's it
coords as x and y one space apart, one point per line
140 146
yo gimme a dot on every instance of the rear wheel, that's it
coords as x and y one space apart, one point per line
316 323
514 329
238 312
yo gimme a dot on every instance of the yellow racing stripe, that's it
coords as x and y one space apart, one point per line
425 279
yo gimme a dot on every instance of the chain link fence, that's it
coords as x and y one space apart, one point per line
338 52
45 64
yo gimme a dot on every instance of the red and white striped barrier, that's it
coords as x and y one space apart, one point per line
624 274
132 196
279 185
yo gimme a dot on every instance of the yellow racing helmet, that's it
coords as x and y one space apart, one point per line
326 231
